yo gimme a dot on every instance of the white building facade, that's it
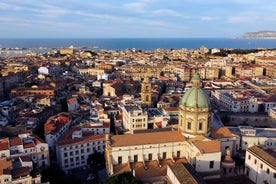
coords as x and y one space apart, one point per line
260 165
73 150
134 118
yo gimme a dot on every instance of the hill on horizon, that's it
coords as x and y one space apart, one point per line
260 34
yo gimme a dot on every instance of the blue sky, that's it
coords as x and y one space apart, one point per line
136 18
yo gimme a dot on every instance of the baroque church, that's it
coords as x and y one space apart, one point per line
149 155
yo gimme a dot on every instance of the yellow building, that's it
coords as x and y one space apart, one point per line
68 51
228 71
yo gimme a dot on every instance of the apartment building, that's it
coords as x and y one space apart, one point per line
134 118
260 164
73 149
244 100
26 145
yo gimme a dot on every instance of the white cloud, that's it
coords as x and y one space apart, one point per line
248 17
135 7
166 12
208 18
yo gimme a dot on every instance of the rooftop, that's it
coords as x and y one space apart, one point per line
186 174
266 154
211 146
150 169
146 138
260 132
87 136
222 132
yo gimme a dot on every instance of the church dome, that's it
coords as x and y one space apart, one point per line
196 96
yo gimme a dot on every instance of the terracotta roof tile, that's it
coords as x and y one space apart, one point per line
211 146
86 137
4 164
266 154
170 108
20 172
120 168
146 138
186 174
222 132
4 144
15 141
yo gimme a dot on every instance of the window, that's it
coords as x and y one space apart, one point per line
249 157
135 158
274 175
255 161
261 165
211 164
267 171
178 154
200 126
164 155
119 160
150 156
189 126
65 154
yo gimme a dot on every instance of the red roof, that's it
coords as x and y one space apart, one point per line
4 144
170 108
86 137
15 141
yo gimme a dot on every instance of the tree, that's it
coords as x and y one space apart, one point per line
52 174
123 178
55 175
95 159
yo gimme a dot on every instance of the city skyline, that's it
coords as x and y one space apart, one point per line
139 18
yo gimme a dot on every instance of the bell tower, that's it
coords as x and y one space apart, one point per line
146 93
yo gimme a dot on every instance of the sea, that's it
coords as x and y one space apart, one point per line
137 43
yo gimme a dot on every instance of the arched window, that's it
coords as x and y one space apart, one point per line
189 125
200 126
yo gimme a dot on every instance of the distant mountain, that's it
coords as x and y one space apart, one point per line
260 34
